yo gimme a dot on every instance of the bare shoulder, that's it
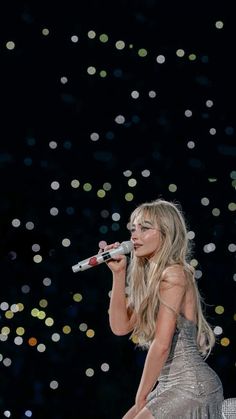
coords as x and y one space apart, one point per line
174 275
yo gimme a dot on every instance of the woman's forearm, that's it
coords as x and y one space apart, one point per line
118 314
155 360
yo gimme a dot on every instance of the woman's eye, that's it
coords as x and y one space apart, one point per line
143 228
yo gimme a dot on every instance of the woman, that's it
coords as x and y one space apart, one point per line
163 312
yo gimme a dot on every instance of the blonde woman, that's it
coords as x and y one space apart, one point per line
163 311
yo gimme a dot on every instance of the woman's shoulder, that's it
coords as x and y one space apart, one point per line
174 273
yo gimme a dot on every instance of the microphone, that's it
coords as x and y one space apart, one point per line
123 249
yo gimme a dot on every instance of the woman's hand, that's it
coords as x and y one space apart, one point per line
118 262
140 401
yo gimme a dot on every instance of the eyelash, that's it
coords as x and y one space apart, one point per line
142 228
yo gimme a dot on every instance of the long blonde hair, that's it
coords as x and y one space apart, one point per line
144 277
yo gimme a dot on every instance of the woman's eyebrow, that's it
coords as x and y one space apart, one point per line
143 222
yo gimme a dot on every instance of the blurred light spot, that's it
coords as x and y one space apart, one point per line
20 331
75 183
103 37
7 413
127 173
35 247
216 212
20 306
225 342
87 187
32 341
77 297
83 327
115 227
54 211
198 274
49 321
219 24
4 306
91 70
152 94
9 314
160 59
53 384
66 242
66 329
218 330
232 247
188 113
103 73
94 136
115 216
45 31
120 119
29 225
74 38
34 312
64 80
53 145
104 213
120 45
25 289
210 247
55 185
16 222
43 303
18 340
191 144
47 282
209 103
205 201
91 34
190 235
103 229
107 186
135 94
212 131
219 310
192 57
132 182
101 193
5 330
10 45
89 372
105 367
145 173
90 333
129 196
37 258
14 308
41 347
41 315
172 187
180 53
194 262
28 413
55 337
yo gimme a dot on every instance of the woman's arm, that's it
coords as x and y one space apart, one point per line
121 319
172 290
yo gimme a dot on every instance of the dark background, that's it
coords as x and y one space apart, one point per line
37 108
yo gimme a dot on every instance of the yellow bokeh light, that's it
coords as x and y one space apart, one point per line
132 182
20 331
129 196
5 330
142 52
41 315
34 312
20 306
219 309
225 342
43 303
66 329
49 321
9 314
77 297
101 193
90 333
103 37
87 187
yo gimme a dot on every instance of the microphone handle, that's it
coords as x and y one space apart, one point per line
92 261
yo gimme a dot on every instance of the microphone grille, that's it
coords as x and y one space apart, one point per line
127 246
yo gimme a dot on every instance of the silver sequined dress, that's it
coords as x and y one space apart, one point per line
187 387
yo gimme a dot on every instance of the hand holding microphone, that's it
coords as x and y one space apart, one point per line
123 249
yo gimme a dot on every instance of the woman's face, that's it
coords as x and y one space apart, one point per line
146 237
